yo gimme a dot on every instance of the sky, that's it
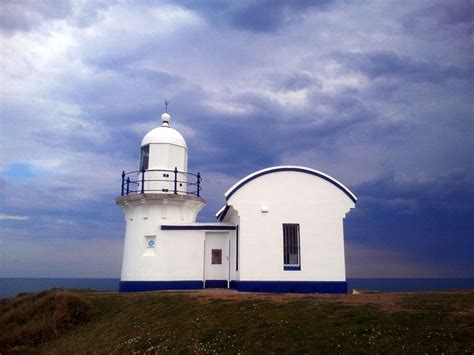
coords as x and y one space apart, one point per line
378 94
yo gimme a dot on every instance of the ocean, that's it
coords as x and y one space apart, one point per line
10 287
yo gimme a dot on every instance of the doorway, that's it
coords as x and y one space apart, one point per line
216 260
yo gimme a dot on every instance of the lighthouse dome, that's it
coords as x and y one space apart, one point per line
164 134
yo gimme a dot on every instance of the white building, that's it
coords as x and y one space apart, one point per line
281 229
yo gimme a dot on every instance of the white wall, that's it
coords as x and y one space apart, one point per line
178 255
291 197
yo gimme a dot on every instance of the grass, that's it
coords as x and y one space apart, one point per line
215 321
31 319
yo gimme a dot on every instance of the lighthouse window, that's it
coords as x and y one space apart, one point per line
217 256
144 154
291 246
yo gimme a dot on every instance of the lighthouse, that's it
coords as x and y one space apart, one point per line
281 228
161 191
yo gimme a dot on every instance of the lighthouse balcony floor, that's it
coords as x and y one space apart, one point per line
150 196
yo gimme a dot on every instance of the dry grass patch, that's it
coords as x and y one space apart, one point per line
31 319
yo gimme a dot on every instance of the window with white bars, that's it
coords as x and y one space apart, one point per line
291 244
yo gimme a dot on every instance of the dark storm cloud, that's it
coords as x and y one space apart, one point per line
236 135
388 64
269 130
266 16
427 219
259 15
454 15
294 82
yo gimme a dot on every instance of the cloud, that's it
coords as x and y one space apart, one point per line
115 43
295 82
6 217
388 64
24 15
258 16
456 15
28 15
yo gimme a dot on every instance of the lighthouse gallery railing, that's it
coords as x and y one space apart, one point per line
133 182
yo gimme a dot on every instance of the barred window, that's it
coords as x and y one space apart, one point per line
291 244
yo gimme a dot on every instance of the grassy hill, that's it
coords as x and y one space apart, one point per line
221 321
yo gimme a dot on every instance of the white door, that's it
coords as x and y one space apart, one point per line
216 259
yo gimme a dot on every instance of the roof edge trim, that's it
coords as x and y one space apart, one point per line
218 213
302 169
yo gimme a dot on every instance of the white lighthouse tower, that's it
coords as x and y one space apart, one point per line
160 192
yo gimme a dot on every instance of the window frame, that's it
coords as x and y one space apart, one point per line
144 152
291 244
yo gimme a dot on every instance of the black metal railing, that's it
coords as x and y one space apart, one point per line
134 182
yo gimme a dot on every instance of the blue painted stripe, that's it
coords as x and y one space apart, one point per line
290 286
243 286
299 169
292 268
138 286
216 283
203 227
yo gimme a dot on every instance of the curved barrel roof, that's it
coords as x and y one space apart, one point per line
275 169
302 169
